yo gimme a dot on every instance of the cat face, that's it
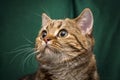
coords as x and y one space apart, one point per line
62 40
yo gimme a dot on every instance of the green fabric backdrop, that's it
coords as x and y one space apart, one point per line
20 21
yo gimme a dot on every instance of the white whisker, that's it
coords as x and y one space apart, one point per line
29 55
27 50
19 50
28 40
22 46
37 14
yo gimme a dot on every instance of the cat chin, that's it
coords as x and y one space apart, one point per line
46 52
38 56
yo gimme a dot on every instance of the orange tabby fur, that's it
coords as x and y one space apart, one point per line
75 48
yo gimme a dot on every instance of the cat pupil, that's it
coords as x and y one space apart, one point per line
63 33
44 33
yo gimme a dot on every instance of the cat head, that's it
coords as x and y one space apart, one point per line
62 40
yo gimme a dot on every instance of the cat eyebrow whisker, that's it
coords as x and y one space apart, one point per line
29 41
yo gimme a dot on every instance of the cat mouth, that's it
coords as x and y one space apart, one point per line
47 49
50 49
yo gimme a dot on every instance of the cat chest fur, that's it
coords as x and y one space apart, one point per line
81 68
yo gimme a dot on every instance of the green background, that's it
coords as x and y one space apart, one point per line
20 21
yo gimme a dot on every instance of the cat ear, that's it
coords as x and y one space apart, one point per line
45 19
85 21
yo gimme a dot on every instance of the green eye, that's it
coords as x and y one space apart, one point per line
44 33
63 33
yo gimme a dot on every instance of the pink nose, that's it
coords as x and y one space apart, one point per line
46 39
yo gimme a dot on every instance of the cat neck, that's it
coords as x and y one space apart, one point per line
67 68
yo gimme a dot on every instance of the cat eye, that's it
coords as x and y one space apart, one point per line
44 33
63 33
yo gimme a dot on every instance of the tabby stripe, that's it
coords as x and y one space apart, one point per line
72 46
79 42
52 24
60 23
75 49
47 28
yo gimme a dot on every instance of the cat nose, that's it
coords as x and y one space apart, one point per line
46 39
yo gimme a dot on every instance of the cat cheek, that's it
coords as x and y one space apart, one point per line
43 44
40 45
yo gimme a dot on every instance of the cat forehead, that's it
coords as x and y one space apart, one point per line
56 24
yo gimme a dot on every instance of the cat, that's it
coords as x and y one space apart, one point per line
65 49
